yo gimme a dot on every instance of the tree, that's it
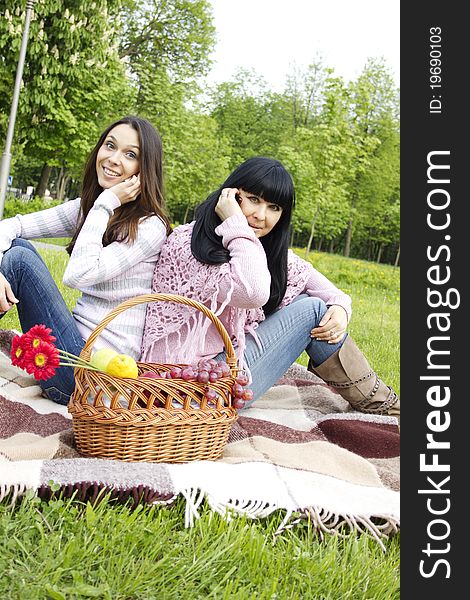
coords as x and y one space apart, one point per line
374 118
320 158
176 36
90 63
73 82
379 199
249 116
196 163
305 93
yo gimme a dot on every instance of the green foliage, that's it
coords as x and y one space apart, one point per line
250 118
195 158
305 93
374 105
15 206
74 80
378 204
339 146
175 36
89 63
195 163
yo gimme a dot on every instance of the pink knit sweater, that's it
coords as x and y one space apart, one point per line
234 291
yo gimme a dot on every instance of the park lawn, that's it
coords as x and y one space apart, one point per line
56 241
65 550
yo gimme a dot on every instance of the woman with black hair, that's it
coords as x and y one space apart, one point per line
117 228
234 258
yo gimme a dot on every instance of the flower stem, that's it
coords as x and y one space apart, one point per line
84 365
76 360
65 353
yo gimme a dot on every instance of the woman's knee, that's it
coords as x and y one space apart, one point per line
316 306
20 253
22 243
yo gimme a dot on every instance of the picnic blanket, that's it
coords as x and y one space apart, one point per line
300 449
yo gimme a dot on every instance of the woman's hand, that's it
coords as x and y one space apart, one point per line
333 325
128 190
7 297
227 205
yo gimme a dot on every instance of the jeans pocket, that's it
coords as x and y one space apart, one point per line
56 395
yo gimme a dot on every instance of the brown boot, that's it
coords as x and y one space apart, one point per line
349 373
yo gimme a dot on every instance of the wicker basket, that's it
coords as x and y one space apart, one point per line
155 420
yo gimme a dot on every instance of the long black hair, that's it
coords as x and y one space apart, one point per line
268 179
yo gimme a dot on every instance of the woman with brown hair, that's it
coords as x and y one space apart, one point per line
117 228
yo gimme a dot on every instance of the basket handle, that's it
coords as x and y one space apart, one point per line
231 358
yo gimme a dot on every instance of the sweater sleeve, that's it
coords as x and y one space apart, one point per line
316 284
249 280
91 263
57 221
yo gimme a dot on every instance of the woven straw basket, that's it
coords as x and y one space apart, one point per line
155 420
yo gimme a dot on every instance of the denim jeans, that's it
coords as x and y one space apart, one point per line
40 301
283 336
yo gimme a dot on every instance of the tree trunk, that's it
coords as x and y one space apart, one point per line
331 249
320 244
347 243
379 253
312 231
292 237
397 258
43 181
62 181
185 219
310 239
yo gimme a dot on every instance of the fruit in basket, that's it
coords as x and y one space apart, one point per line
150 375
238 403
101 358
122 365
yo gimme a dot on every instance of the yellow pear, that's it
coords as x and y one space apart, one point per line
101 358
122 365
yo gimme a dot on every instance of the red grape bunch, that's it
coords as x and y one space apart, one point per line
208 371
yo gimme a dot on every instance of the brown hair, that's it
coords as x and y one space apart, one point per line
124 222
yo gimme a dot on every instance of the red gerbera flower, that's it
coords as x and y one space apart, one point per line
35 352
42 360
38 334
19 346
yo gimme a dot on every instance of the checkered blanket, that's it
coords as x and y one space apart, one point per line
300 449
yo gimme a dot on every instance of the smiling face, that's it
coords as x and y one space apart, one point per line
262 216
118 157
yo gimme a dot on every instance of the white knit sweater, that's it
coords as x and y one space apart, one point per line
106 276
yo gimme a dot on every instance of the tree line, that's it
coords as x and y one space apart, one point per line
90 63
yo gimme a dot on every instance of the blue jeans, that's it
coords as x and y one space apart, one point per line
40 301
283 336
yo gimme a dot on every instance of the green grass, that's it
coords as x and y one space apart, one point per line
56 241
67 550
